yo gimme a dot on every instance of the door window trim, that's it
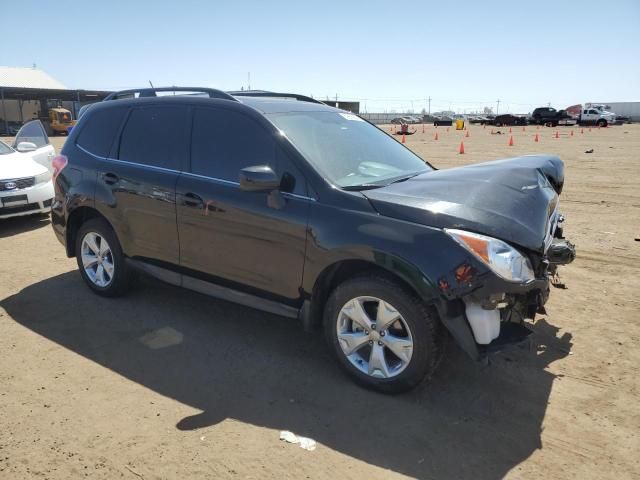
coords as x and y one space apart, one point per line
237 185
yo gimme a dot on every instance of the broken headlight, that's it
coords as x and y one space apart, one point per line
502 258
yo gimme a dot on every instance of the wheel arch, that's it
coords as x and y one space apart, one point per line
76 219
393 267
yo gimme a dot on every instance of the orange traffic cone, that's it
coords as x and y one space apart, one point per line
461 147
447 129
403 138
589 128
535 139
423 128
510 130
581 131
572 133
523 129
484 126
467 134
510 141
436 136
557 136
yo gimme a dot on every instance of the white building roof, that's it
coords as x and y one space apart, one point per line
19 77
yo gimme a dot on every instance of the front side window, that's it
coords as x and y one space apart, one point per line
348 151
34 133
223 142
149 136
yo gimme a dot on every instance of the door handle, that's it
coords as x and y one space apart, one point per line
110 178
192 200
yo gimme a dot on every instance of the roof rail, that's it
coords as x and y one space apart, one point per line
263 93
151 92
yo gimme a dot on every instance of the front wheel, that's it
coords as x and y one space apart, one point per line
384 337
601 123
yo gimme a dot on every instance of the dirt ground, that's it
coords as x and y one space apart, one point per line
166 383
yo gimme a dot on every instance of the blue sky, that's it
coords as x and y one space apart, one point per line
464 55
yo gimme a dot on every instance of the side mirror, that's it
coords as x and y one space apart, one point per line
258 178
24 147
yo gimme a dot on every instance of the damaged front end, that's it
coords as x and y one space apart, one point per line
487 311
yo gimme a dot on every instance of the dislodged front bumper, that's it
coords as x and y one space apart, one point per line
492 314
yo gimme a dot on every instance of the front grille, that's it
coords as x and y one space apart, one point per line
20 183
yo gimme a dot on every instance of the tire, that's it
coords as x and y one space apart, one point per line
415 324
601 123
114 283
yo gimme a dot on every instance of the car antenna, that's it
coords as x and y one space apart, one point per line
151 84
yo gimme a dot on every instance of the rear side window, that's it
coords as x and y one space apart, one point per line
152 136
223 142
100 129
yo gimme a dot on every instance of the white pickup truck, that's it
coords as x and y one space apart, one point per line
596 115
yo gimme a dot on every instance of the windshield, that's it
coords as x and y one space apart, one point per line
64 117
347 150
5 149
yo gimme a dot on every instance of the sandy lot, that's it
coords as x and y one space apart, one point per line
166 383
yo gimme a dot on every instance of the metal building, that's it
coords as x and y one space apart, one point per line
26 93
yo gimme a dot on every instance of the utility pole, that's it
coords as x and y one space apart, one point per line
429 100
248 80
497 106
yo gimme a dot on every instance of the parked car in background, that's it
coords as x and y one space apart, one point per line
26 173
508 119
406 120
478 119
310 212
549 116
442 121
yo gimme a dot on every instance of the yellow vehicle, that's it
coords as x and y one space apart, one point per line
58 122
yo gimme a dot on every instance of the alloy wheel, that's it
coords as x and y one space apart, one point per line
97 259
374 337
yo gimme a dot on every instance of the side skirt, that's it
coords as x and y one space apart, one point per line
214 290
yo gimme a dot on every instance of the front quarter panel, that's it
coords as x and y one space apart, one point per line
420 255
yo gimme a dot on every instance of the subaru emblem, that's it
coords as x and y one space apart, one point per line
10 185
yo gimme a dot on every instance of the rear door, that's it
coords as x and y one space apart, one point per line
252 241
33 132
136 184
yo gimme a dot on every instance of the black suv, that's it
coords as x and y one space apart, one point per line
281 203
548 116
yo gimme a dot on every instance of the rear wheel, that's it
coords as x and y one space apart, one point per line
100 259
602 123
383 336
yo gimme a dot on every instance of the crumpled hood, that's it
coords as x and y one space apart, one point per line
19 165
510 199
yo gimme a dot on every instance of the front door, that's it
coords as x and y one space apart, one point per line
33 132
253 241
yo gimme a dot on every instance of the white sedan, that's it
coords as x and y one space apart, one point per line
25 173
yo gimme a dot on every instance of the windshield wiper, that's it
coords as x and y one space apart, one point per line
406 177
362 186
